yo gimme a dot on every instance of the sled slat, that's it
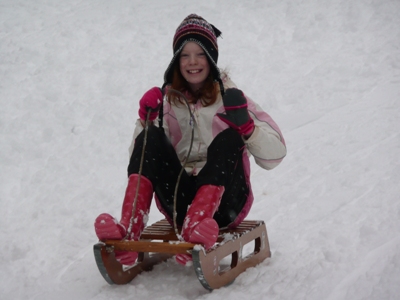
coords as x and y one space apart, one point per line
160 230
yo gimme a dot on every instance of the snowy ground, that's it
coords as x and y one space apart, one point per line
71 74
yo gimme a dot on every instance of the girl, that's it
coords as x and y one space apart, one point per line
196 159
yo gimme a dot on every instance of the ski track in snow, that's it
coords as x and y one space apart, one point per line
71 74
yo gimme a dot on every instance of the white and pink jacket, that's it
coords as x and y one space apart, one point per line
266 144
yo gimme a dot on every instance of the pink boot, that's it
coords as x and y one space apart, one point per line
107 227
199 227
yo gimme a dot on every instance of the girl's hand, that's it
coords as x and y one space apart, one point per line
152 100
236 113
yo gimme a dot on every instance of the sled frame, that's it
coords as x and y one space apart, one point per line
215 268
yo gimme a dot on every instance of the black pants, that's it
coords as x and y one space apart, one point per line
224 167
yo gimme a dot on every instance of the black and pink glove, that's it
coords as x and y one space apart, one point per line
237 116
152 99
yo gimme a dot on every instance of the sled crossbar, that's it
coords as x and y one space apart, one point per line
150 246
159 242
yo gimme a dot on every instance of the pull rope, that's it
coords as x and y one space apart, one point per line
146 129
178 235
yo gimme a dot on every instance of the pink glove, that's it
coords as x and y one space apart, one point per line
152 99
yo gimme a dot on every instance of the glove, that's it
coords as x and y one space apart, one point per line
237 116
152 99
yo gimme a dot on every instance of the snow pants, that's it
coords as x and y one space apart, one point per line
224 167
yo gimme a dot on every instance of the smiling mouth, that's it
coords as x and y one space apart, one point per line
194 71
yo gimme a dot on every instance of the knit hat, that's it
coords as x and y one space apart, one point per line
195 29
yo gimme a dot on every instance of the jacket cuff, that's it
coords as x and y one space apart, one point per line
253 137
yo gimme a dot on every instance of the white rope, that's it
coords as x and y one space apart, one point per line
184 164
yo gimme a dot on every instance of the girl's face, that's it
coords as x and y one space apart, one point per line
193 65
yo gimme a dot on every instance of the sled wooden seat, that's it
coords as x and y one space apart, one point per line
214 268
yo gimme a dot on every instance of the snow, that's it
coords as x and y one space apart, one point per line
328 72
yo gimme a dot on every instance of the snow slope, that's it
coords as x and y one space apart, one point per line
71 74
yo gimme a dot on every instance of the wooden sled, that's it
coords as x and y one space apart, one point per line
215 268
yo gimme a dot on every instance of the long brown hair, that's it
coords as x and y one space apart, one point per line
207 94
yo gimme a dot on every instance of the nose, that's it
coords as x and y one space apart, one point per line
192 59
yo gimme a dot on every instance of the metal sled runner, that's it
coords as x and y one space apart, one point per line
215 268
